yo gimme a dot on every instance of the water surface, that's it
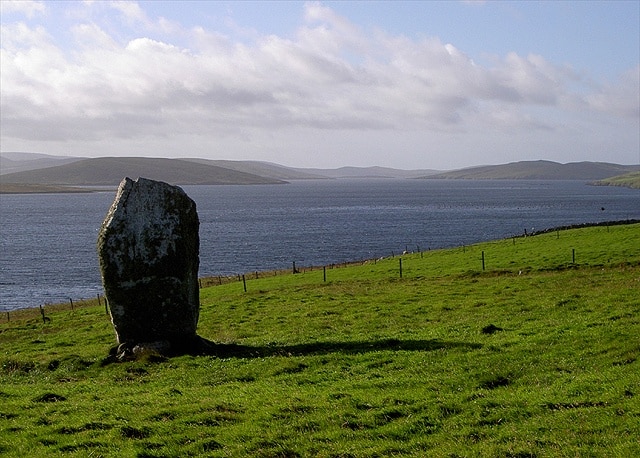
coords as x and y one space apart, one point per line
48 241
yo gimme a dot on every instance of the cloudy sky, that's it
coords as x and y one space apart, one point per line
434 85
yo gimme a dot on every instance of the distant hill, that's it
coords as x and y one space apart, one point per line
111 170
42 169
20 162
369 172
539 170
263 169
628 180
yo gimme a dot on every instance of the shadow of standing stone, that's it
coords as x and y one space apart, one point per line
148 252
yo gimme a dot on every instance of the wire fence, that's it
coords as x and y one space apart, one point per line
219 280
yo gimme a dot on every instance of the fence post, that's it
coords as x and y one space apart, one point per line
483 260
324 273
244 283
573 255
71 302
400 267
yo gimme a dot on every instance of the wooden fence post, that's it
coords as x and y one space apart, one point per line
244 283
483 260
400 267
44 318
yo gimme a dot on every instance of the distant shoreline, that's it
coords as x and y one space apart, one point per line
18 188
583 225
24 188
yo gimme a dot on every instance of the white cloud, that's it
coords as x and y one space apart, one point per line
26 7
621 98
330 76
90 36
131 11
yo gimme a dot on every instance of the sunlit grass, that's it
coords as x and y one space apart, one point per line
537 355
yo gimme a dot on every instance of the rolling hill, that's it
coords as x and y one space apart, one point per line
539 170
20 162
263 169
57 170
41 169
107 171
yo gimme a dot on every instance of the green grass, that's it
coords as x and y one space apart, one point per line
534 356
629 180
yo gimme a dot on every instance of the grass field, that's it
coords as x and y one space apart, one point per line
536 355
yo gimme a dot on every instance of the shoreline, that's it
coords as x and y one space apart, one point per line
18 188
31 188
619 222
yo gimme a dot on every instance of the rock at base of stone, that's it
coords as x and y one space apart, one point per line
161 347
161 350
148 252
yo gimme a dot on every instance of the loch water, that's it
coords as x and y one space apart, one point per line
48 241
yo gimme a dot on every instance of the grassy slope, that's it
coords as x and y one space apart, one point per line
535 356
629 180
540 170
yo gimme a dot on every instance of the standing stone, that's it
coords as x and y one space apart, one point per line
148 251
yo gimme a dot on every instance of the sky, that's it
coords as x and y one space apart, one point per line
412 85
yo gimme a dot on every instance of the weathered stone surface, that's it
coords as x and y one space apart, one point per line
148 251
